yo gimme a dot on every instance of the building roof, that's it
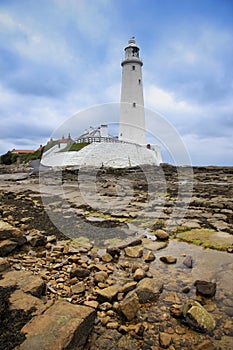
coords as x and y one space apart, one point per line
23 151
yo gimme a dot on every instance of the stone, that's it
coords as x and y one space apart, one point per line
127 343
37 239
7 246
188 261
149 256
154 246
206 345
4 264
176 311
62 326
139 274
79 273
165 340
25 281
128 287
12 233
197 317
134 252
100 276
112 325
168 259
91 303
105 306
149 290
204 288
128 242
107 257
161 235
78 288
114 251
129 306
23 301
107 294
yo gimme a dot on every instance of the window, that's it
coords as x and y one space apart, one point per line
139 81
134 104
133 67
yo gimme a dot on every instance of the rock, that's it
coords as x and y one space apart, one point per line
204 288
51 239
114 251
206 345
37 239
62 326
186 290
154 246
105 306
126 343
176 311
23 301
4 264
128 242
129 306
168 259
100 276
78 288
27 282
165 340
91 303
12 233
112 325
7 246
161 235
107 294
197 317
148 290
139 274
79 273
149 256
107 257
128 287
188 261
134 252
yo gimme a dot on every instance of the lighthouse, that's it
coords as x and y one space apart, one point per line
132 116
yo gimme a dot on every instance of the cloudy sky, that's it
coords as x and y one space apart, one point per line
58 57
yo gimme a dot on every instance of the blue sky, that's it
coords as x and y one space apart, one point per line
58 57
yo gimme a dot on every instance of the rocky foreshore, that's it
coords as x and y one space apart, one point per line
138 287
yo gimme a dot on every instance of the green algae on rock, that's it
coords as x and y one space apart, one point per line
207 238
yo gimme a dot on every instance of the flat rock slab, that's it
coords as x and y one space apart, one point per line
27 282
62 326
154 246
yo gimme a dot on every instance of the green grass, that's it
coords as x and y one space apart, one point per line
74 147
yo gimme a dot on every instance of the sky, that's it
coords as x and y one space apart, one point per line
60 57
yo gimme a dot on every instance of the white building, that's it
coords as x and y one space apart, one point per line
132 118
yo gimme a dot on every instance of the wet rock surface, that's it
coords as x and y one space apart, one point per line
116 292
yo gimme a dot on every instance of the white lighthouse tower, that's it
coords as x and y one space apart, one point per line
132 117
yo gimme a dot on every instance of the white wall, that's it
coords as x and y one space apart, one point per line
117 155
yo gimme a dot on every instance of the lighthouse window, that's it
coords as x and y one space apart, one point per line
139 81
134 104
133 67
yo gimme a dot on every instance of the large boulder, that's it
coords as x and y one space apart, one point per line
63 326
197 317
149 290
